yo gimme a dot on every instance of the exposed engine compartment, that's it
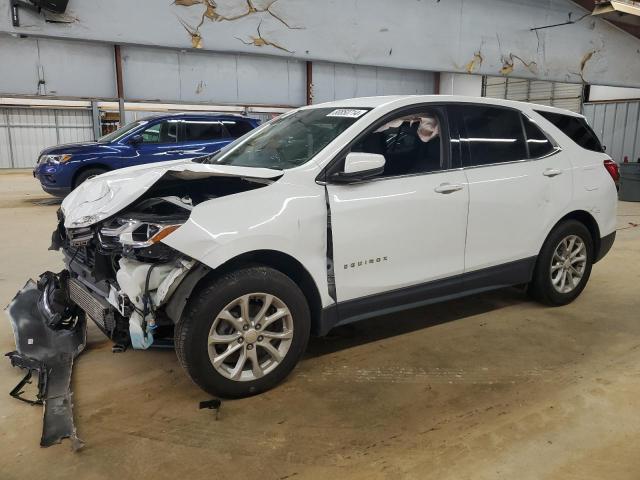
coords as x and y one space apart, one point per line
121 262
202 189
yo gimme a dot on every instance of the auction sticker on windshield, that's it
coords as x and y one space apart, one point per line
347 112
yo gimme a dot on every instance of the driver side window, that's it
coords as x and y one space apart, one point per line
411 144
163 132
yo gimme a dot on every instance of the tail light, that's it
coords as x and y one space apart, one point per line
612 168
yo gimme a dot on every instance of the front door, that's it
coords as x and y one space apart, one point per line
159 143
407 226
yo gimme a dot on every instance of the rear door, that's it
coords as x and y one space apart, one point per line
202 136
518 183
407 226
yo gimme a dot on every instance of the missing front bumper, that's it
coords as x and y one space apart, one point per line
46 348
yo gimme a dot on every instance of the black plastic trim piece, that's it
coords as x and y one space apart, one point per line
331 276
178 300
508 274
606 243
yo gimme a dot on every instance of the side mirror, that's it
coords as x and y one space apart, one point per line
360 166
136 140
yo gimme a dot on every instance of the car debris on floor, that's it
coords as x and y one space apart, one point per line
49 335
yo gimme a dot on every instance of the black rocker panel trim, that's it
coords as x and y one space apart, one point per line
505 275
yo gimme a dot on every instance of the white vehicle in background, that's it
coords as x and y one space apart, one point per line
330 214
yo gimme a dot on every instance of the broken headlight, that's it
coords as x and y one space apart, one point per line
138 233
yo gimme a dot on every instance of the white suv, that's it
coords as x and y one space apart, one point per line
330 214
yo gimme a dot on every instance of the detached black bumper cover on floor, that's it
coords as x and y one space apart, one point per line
47 348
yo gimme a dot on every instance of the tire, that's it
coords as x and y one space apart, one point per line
86 175
206 317
542 286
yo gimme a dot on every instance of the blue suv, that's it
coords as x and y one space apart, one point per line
62 168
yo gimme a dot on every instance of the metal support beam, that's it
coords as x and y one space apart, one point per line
11 156
119 82
309 82
121 111
57 124
95 115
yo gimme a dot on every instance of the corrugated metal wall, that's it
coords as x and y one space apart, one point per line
617 124
561 95
24 132
335 81
62 68
186 76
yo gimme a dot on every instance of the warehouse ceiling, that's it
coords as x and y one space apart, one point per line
626 24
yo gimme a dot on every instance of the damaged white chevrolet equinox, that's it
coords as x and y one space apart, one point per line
327 215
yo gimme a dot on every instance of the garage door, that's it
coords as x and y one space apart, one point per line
24 132
617 124
555 94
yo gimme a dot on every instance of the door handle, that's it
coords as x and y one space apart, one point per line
552 172
448 188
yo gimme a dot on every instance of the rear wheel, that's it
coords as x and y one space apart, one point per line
243 332
86 175
564 264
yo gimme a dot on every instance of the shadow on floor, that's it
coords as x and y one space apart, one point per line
43 202
391 325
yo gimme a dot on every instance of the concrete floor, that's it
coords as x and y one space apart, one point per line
489 387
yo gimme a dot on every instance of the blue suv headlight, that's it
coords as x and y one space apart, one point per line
55 159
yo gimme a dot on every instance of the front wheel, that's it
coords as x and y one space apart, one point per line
564 264
243 332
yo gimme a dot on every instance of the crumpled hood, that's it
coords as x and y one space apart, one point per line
103 196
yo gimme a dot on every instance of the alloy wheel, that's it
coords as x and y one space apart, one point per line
250 337
568 264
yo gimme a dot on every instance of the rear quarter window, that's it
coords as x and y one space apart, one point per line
576 128
538 144
237 128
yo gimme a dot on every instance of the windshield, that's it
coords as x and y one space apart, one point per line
288 141
121 132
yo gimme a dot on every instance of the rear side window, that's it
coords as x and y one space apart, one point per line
537 142
237 128
491 134
202 130
576 128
